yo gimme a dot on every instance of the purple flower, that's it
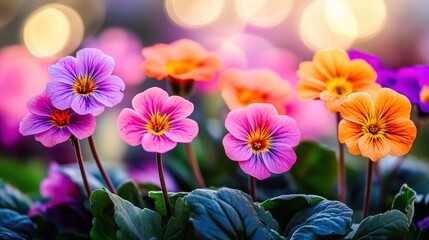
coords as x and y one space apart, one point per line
158 122
52 126
85 83
261 140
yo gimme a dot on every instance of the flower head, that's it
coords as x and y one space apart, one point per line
181 60
158 122
261 140
375 128
331 76
52 126
241 88
85 83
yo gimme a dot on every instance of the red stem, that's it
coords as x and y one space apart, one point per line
163 186
194 165
252 188
79 157
100 166
341 167
368 185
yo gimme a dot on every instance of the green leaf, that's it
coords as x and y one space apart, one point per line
104 226
179 227
315 171
29 176
224 214
326 219
15 226
131 221
389 225
12 198
128 191
159 201
284 207
404 202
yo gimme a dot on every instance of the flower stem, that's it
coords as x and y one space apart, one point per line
380 181
99 165
79 157
252 188
368 185
194 165
341 167
163 186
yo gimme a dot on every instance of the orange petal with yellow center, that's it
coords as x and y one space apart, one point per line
401 134
332 103
373 148
332 63
391 105
349 133
361 74
357 107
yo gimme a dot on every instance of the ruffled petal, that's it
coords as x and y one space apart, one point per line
360 74
357 107
131 127
255 167
177 108
401 134
95 64
391 105
237 124
285 130
331 63
349 133
155 68
83 105
34 124
110 91
373 148
149 102
82 126
40 105
236 149
261 115
279 159
61 94
158 144
53 136
182 131
65 71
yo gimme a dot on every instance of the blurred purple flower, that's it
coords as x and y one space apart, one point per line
58 186
124 47
52 126
423 223
85 83
149 174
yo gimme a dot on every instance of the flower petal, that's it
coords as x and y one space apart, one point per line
159 144
255 167
131 127
285 130
94 64
349 133
65 70
391 105
373 148
83 105
155 68
279 159
361 74
110 91
237 124
149 102
357 107
401 134
53 136
82 126
61 94
177 108
34 124
261 115
236 149
331 63
40 104
182 131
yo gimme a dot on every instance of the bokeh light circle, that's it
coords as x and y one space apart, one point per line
263 13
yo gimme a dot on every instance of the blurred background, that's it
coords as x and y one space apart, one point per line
247 34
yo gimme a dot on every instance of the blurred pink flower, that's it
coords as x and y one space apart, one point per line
124 47
158 122
21 77
261 140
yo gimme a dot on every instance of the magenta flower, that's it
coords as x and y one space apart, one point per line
261 140
52 126
85 83
158 122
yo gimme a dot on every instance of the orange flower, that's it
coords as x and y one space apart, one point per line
375 128
181 60
242 88
331 76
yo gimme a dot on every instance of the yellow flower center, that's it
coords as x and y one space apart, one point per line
84 86
375 129
259 141
424 94
60 118
180 67
158 124
339 87
247 96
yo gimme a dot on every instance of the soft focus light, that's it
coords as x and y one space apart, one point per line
361 19
109 144
263 13
52 31
193 13
8 10
316 33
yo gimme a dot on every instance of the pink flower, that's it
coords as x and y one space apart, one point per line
261 140
158 122
52 126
